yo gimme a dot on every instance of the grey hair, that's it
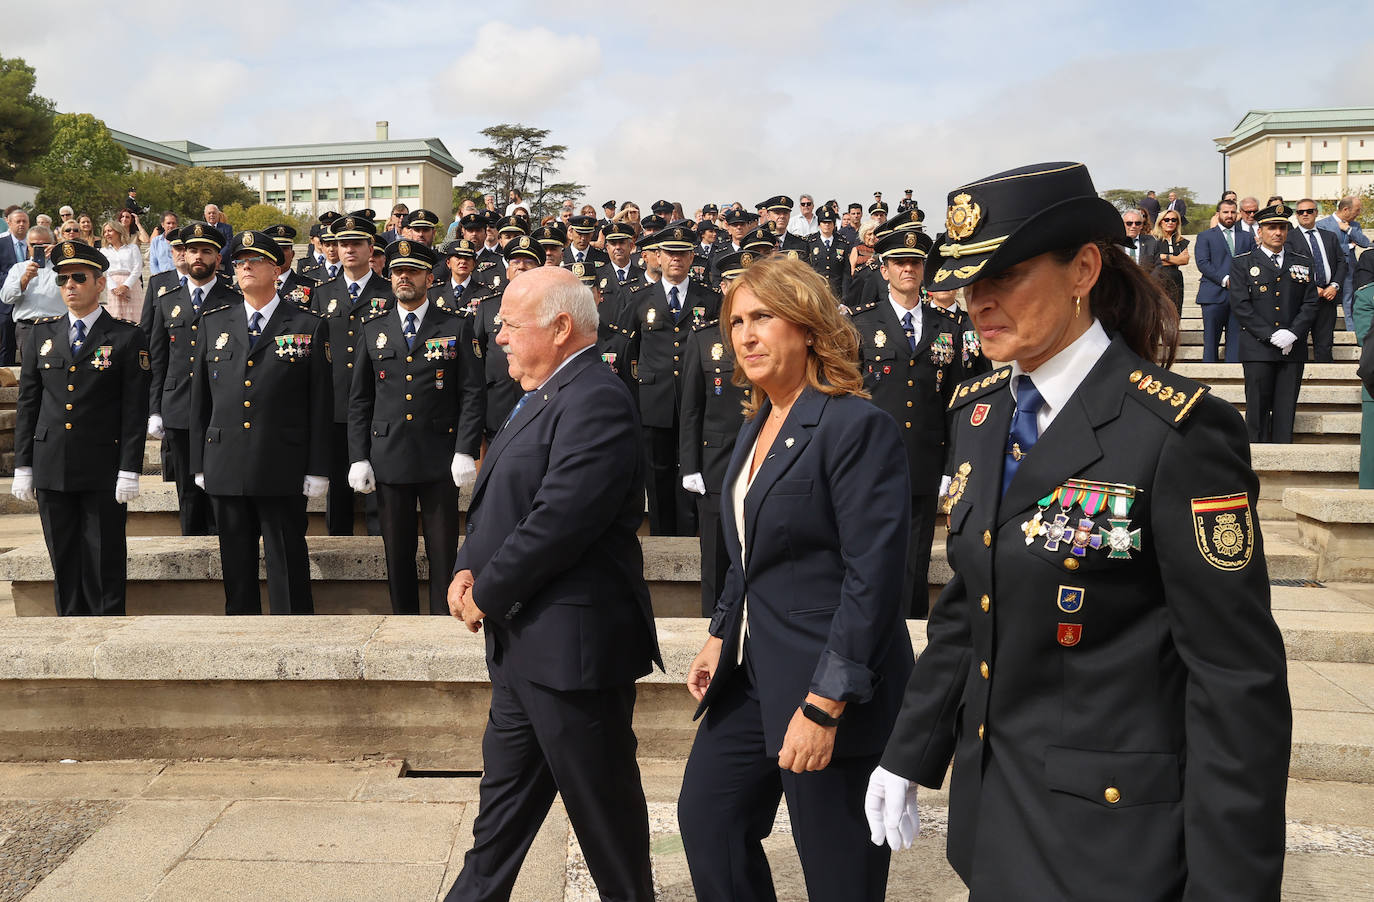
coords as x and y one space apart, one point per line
1345 203
42 231
572 298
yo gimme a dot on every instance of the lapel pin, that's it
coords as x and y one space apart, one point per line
789 442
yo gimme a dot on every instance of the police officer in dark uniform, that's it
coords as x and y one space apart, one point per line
663 315
907 202
911 358
712 413
313 260
522 253
456 291
828 253
1103 668
356 292
175 341
291 285
878 211
614 340
868 284
420 226
1274 298
779 207
581 230
261 406
415 424
325 265
553 238
79 433
168 280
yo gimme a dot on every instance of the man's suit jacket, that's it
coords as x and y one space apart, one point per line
1337 267
7 260
826 524
260 416
1148 246
1151 206
1265 299
551 535
1213 259
1348 239
81 418
1179 206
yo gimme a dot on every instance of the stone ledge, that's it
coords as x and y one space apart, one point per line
1308 458
1332 505
1233 372
1338 525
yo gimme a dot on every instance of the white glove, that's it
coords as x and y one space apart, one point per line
360 478
315 486
1282 339
693 482
200 481
126 487
464 470
22 487
890 806
155 429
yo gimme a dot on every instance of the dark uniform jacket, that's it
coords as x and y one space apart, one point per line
158 284
562 580
344 317
1113 691
307 265
591 255
490 268
794 246
823 612
82 418
174 343
1264 300
833 264
412 410
260 418
866 284
661 340
501 390
297 288
712 407
915 387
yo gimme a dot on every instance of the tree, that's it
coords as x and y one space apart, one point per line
26 119
84 166
186 190
520 159
260 216
1124 198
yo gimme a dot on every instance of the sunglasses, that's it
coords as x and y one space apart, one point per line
71 231
1307 212
1170 219
805 204
1134 222
77 277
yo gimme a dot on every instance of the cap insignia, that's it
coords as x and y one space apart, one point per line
68 250
405 248
247 239
910 240
200 232
963 217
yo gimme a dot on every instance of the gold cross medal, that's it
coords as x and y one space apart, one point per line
1034 527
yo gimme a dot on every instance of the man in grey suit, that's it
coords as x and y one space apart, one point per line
1345 226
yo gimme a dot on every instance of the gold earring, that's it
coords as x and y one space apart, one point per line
1077 306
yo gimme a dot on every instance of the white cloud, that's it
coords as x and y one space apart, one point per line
511 71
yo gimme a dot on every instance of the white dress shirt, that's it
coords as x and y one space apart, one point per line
902 311
267 310
89 319
1321 249
419 312
803 227
1059 377
41 298
681 291
743 483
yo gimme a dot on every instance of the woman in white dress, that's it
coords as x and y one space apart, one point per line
124 293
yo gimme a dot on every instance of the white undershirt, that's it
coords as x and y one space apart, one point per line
902 311
1059 377
743 483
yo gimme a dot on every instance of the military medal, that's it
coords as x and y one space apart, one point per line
47 346
698 313
381 340
221 341
880 338
1035 527
1120 539
609 359
102 358
957 484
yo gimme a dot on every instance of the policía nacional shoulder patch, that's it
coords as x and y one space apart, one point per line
1225 530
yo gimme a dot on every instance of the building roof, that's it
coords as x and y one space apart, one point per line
1256 123
188 153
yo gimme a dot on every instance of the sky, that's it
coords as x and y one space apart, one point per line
717 100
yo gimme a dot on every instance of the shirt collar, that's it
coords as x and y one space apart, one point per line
1059 377
902 311
362 283
669 286
464 284
89 319
205 289
418 311
268 309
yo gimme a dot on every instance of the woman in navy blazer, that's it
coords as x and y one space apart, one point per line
803 672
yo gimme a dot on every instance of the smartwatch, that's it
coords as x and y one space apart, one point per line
819 715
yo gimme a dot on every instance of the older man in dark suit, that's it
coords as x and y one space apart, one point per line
551 565
1329 271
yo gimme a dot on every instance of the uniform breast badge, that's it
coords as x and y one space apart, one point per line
879 338
438 378
1070 599
942 350
103 357
176 311
697 314
955 490
1069 634
719 385
1224 528
221 341
979 414
717 351
333 305
381 340
47 346
649 317
1091 498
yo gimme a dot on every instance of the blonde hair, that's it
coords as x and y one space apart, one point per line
118 228
792 291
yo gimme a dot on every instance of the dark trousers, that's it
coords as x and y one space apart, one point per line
580 745
196 517
1271 399
338 502
438 502
21 332
85 536
1216 320
1323 330
671 511
730 794
917 582
714 559
279 520
7 346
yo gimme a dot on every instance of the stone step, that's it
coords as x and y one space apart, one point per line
1194 337
1309 396
1193 352
1215 374
1323 465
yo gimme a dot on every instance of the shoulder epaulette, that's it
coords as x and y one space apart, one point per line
975 388
1242 254
641 286
949 313
1166 394
377 314
220 309
862 308
707 325
127 322
49 319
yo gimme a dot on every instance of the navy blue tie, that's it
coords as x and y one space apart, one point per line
1024 429
673 303
1317 267
910 330
410 330
80 338
197 298
353 290
183 281
254 328
333 271
516 409
457 294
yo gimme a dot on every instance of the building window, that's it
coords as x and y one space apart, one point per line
1326 167
1288 168
274 197
1360 167
300 197
407 190
354 193
328 194
382 193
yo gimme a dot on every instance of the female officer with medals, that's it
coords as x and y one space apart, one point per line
1103 668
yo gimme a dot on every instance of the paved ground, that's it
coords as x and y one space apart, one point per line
282 831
